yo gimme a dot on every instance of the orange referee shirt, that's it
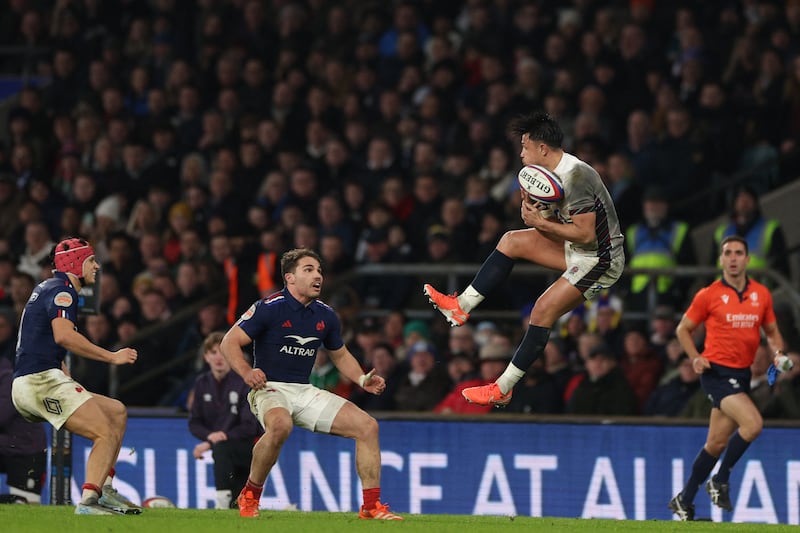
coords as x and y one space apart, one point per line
733 321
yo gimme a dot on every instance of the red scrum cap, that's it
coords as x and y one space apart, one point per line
70 254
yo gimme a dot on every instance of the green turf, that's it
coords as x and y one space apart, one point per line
52 519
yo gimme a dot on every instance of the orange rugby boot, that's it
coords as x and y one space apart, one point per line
248 503
379 512
447 305
487 395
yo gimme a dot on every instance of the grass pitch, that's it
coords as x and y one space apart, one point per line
60 519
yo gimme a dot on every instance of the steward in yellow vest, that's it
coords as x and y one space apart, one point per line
657 242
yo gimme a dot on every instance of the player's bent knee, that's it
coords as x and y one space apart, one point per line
752 430
368 428
279 429
715 448
511 243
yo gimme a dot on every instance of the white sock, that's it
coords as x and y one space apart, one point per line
224 499
470 299
89 496
511 375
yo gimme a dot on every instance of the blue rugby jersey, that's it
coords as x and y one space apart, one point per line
37 351
286 335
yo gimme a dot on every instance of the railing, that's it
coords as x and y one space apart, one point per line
457 276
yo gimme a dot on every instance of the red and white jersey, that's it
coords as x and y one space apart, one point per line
733 321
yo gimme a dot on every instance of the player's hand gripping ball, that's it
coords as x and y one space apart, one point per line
541 188
541 185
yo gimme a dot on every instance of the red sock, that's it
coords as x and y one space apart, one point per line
371 497
112 472
255 488
92 487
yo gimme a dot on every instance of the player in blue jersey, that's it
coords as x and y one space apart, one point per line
286 330
42 388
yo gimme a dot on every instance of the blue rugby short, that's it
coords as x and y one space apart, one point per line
721 381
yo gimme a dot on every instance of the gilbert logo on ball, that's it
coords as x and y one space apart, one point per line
541 184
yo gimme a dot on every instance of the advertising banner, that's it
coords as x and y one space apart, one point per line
493 468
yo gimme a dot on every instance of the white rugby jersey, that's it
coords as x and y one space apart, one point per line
584 191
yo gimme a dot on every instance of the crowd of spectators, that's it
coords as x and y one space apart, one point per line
194 141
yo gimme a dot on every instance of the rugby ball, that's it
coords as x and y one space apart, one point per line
158 502
541 184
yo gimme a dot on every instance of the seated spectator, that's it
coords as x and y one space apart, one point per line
604 391
221 418
492 360
38 244
607 321
461 341
386 291
557 366
670 398
461 367
413 332
23 445
390 369
484 331
641 365
425 384
393 325
662 328
673 351
537 392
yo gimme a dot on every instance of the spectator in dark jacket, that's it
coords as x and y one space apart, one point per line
221 418
425 384
604 391
670 398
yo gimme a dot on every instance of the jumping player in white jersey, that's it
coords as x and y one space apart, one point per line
584 241
286 330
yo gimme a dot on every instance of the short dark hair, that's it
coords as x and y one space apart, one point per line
289 259
735 238
539 126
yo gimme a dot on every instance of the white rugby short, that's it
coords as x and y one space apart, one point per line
50 395
589 274
310 407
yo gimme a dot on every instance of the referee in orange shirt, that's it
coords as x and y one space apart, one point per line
734 309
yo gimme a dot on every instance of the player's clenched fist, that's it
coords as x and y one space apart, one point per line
125 356
255 379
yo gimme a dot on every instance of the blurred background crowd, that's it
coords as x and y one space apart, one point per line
193 141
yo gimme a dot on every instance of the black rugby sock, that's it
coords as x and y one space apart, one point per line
494 270
701 468
733 452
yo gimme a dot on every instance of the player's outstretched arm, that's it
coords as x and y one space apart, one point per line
348 366
65 336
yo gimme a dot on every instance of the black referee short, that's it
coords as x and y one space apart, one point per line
720 381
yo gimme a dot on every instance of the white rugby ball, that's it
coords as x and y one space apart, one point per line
158 502
541 184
